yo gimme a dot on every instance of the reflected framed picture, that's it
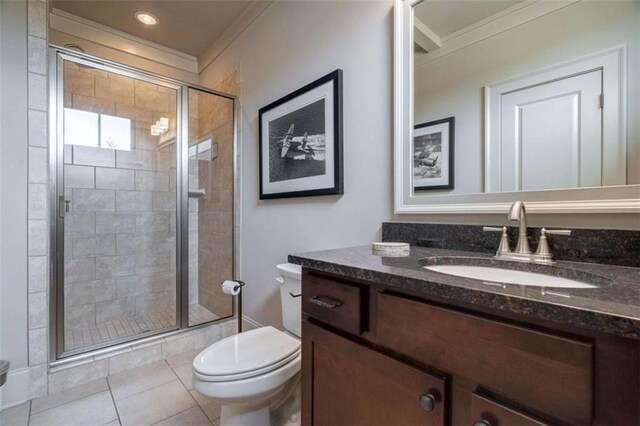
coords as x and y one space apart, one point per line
301 141
433 159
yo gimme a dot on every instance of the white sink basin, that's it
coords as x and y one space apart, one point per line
508 276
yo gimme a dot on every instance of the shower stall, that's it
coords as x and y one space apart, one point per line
142 173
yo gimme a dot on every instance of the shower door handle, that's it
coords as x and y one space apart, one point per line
63 206
197 193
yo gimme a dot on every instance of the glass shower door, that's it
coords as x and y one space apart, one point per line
210 171
117 205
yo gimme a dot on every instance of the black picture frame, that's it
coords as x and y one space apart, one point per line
337 187
450 163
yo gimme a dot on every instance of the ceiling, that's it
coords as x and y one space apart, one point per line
445 17
185 25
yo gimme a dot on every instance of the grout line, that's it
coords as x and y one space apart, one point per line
177 414
68 402
73 401
29 415
198 404
115 406
175 379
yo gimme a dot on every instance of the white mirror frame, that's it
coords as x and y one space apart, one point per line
613 199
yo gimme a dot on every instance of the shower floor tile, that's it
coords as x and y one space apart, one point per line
198 314
81 337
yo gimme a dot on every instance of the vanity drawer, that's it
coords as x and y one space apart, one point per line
333 302
485 412
548 373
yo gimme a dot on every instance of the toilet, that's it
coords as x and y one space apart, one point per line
250 373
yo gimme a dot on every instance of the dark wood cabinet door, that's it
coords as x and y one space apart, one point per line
550 373
486 412
345 383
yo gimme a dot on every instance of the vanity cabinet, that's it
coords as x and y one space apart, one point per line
356 385
375 356
531 367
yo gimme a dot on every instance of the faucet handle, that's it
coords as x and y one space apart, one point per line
543 245
555 231
504 240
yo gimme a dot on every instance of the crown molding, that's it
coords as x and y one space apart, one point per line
94 32
424 37
101 34
498 23
243 21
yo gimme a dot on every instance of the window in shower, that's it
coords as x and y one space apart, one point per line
121 152
98 130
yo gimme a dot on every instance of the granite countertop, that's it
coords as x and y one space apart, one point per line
613 307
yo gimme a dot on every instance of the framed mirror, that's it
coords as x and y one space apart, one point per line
504 100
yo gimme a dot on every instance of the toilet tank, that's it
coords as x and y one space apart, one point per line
290 295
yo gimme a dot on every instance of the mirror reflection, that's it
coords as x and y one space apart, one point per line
525 96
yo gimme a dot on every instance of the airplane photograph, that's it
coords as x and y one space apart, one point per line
424 158
300 149
427 156
297 145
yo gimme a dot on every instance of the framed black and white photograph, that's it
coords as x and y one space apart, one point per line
433 165
301 141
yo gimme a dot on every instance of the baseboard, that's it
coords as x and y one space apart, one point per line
16 389
249 324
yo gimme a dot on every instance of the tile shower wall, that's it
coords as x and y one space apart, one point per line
120 236
37 212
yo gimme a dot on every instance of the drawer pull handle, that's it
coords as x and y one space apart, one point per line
295 295
325 302
481 423
427 402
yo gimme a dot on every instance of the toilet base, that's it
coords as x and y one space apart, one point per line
243 415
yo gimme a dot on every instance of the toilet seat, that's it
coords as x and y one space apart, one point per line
245 355
248 374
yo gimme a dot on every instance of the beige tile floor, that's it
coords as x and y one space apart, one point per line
80 337
155 394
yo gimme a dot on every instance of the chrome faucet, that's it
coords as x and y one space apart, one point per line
522 253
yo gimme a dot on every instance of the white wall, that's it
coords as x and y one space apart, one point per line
13 192
290 45
451 85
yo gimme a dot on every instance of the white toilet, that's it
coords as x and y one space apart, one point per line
248 373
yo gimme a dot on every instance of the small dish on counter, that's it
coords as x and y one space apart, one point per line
390 249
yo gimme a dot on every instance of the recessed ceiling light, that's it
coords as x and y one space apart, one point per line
146 18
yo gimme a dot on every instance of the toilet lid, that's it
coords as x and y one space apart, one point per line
246 352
